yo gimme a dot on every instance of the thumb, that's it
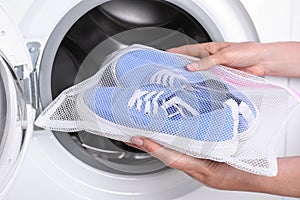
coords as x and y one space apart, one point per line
205 63
169 157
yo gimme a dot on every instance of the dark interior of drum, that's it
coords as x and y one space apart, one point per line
94 27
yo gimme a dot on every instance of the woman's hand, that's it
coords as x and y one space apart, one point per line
222 176
270 59
277 59
214 174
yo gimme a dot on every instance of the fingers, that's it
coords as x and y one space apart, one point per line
195 50
201 50
171 158
199 169
214 47
133 145
210 54
205 63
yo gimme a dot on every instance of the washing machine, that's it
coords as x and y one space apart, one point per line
44 49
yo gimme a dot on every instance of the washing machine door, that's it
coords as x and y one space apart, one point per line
16 112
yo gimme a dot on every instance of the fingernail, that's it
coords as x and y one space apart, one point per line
137 141
192 66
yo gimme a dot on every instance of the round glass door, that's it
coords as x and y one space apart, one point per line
11 132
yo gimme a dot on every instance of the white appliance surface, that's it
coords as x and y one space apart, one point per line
49 171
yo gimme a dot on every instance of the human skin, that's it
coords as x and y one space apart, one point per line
224 177
271 59
262 59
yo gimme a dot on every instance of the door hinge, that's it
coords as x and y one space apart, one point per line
28 79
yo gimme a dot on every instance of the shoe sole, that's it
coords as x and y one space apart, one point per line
217 151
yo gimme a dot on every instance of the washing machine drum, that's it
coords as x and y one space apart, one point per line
112 26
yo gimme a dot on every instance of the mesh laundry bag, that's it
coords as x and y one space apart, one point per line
220 114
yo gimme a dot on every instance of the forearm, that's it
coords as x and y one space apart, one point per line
222 176
286 183
281 59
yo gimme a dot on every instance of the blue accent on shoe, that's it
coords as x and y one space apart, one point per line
137 67
111 103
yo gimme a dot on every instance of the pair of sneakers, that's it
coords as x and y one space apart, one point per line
156 97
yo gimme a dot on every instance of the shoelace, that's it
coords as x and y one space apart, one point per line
166 78
141 96
241 109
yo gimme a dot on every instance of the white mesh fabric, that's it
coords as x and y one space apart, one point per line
220 114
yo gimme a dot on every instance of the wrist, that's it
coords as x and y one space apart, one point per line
249 182
281 59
